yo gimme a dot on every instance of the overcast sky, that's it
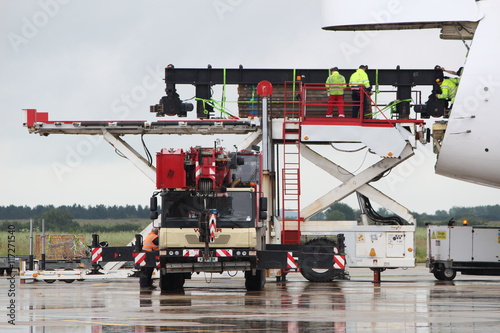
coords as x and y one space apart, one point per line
104 60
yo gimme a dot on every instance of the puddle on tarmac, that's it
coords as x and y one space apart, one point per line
296 306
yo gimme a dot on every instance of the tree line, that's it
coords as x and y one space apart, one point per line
76 211
477 215
61 218
474 215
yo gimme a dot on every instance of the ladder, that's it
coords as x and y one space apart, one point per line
290 174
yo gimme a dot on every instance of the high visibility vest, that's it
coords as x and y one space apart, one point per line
455 80
359 78
148 244
448 90
335 84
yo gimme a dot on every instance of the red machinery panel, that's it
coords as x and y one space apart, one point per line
170 172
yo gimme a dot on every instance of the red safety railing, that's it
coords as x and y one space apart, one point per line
315 102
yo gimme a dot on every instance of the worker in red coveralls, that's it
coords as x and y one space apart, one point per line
335 84
150 244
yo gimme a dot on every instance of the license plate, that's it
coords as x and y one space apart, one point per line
210 259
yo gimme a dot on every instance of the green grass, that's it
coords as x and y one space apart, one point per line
111 222
120 238
22 240
117 238
420 244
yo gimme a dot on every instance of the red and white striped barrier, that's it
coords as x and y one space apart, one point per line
190 253
140 259
291 261
339 261
96 255
223 253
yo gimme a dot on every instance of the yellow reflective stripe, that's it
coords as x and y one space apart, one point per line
336 87
361 82
359 79
448 91
149 248
335 84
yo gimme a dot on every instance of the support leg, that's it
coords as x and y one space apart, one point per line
376 274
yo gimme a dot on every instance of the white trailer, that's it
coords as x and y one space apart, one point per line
467 249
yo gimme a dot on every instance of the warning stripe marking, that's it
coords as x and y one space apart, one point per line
190 253
199 168
223 253
212 226
339 261
140 259
291 261
96 255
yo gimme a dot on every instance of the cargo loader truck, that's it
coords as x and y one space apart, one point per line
213 220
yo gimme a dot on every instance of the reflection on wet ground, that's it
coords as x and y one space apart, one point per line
405 301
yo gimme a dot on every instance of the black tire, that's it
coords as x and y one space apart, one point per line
315 274
2 271
49 281
68 280
255 282
8 271
446 274
171 282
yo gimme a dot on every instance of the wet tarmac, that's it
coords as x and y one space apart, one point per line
405 301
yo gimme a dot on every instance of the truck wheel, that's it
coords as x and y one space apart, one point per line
447 274
68 280
316 274
171 281
2 271
255 282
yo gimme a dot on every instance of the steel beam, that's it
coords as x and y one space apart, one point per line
211 76
352 183
250 140
131 154
116 265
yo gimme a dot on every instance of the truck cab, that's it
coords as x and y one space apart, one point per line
236 222
213 214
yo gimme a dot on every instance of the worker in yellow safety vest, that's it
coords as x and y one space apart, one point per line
150 244
448 90
357 81
335 84
458 74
